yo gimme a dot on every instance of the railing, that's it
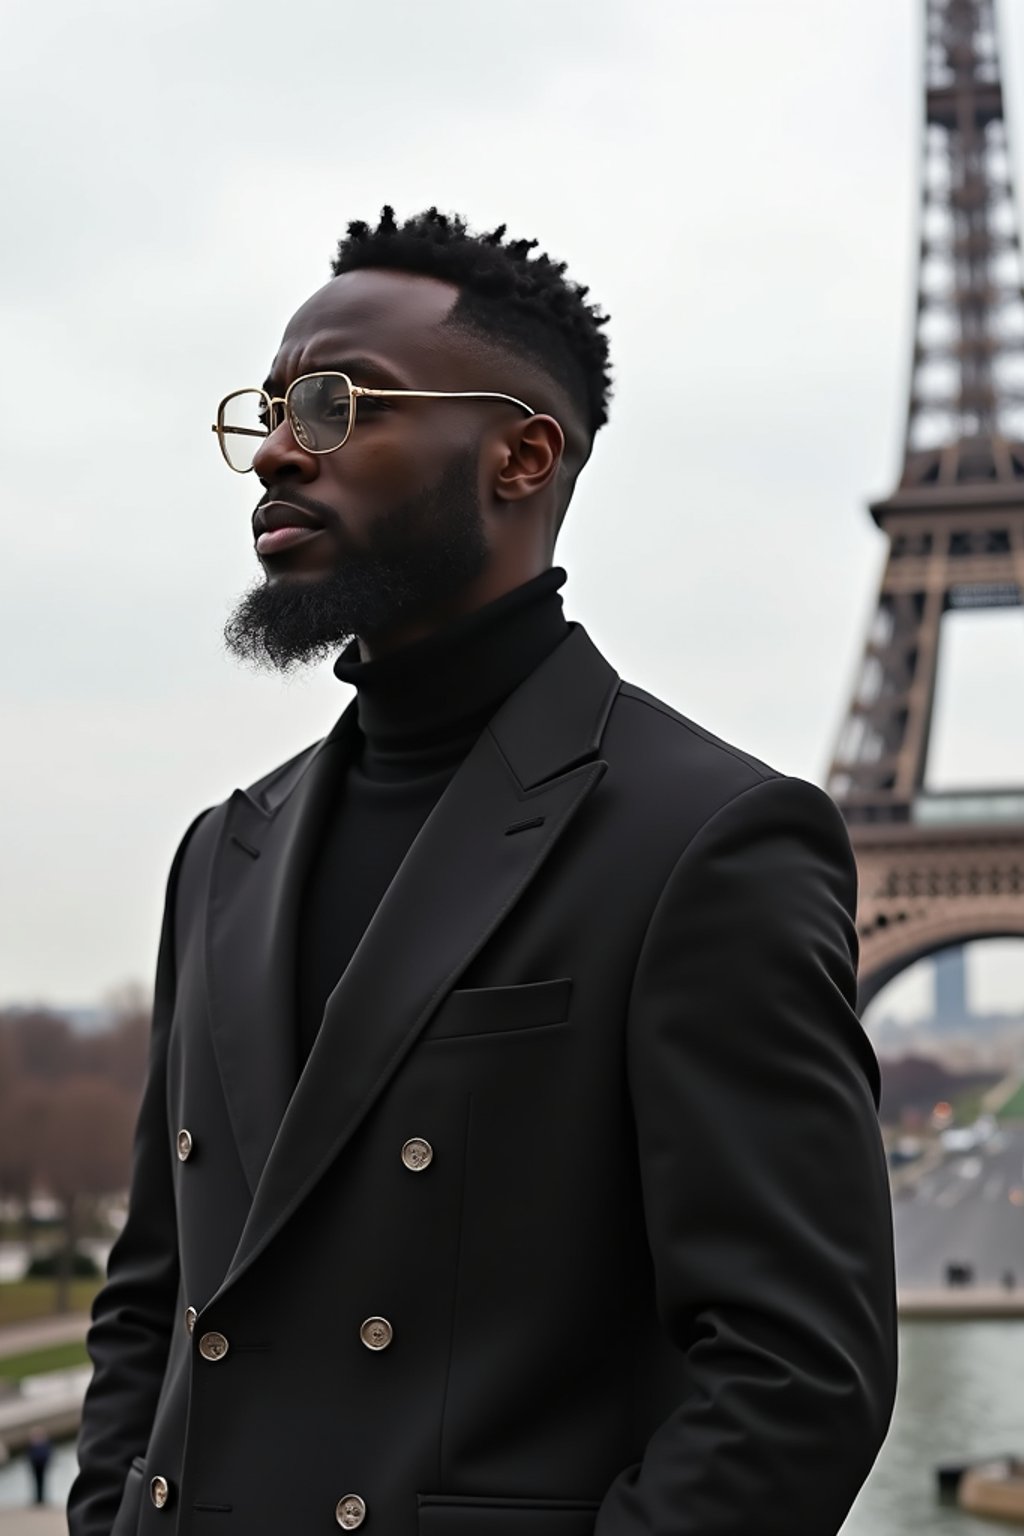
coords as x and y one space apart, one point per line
968 808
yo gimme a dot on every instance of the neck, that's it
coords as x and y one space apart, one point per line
489 587
448 684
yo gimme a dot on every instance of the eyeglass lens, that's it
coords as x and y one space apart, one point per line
320 410
243 426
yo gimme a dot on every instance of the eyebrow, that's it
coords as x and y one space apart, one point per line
361 370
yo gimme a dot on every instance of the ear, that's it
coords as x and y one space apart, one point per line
528 458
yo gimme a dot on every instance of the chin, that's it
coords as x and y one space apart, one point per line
280 572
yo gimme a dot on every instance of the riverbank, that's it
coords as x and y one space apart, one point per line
967 1303
51 1402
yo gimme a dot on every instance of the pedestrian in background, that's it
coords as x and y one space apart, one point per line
39 1451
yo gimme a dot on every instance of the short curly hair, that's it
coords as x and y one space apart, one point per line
521 301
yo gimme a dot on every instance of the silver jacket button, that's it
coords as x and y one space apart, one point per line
350 1512
159 1491
213 1346
185 1145
417 1154
376 1333
190 1318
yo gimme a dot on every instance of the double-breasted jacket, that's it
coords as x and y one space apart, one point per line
576 1219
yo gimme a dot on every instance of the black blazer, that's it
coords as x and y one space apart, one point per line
577 1220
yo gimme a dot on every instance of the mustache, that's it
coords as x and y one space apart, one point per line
295 498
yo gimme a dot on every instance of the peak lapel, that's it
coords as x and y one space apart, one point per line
255 889
535 766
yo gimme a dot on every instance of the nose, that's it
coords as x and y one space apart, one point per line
279 458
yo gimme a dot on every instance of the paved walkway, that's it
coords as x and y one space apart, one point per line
1001 1094
33 1522
19 1338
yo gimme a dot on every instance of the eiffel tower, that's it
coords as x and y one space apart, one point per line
941 869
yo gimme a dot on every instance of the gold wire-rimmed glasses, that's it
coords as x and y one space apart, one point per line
320 408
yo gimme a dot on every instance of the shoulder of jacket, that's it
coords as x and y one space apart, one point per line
272 786
680 741
279 779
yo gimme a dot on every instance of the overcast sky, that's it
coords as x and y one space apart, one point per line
735 180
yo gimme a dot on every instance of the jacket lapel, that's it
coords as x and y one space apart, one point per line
255 890
490 833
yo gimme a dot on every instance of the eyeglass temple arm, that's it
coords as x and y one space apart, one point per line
445 394
418 394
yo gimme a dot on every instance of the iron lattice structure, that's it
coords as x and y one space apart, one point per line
940 869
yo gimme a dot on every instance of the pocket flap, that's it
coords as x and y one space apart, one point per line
445 1515
496 1010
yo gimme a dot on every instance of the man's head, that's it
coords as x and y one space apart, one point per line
433 506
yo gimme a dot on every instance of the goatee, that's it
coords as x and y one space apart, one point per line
416 558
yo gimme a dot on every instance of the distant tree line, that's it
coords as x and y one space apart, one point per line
915 1084
68 1102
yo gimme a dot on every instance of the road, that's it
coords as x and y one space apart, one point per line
969 1210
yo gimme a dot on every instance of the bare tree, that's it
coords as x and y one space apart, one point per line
81 1142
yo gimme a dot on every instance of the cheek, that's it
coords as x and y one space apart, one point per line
363 481
384 469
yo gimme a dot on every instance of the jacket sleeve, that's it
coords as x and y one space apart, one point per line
765 1192
133 1315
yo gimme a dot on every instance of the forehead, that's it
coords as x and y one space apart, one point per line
393 316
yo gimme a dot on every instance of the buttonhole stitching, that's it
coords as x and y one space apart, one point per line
524 826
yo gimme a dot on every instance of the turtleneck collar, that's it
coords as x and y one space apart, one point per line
443 690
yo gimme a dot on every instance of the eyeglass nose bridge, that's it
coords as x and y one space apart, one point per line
277 414
277 411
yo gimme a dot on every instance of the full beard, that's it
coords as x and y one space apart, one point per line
417 557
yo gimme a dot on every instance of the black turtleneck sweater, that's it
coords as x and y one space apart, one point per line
419 710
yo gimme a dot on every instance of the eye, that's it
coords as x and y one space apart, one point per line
334 407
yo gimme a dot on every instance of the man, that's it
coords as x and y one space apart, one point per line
39 1452
508 1164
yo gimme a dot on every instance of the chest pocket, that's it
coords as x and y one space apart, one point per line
500 1010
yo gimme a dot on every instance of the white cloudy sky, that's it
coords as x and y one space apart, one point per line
736 181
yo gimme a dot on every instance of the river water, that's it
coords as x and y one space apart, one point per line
961 1396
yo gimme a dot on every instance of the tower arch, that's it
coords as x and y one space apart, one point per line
937 870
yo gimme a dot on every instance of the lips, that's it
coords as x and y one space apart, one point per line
280 525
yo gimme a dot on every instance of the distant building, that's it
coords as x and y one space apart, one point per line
952 1010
